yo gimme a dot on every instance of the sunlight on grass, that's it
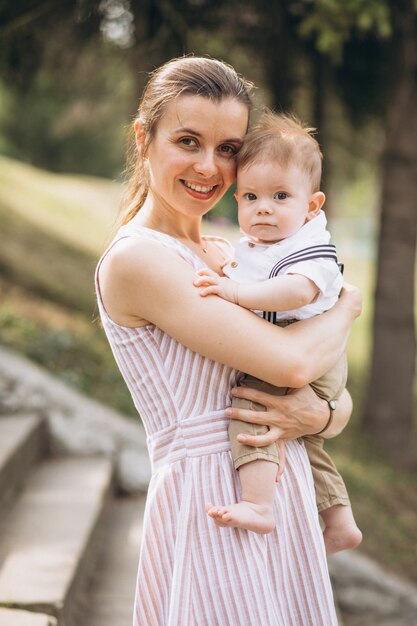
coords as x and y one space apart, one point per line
77 209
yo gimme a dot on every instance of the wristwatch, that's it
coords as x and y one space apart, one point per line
332 407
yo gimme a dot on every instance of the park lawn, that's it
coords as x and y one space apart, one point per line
53 228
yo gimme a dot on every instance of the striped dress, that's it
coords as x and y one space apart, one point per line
191 572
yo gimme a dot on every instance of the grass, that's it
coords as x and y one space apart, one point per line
52 232
60 205
53 229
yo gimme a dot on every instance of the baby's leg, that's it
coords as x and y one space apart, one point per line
254 511
341 532
257 471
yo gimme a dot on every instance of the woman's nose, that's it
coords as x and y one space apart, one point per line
206 164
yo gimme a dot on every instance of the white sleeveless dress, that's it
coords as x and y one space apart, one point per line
191 572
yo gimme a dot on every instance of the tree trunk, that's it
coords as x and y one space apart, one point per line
275 47
322 98
389 411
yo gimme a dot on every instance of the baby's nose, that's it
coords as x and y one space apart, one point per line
263 210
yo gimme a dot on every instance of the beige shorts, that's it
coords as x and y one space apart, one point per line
329 485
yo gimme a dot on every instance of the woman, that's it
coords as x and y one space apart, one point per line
180 356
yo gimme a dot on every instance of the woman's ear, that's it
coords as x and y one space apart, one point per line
315 203
139 134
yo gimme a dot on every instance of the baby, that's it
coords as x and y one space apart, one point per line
286 270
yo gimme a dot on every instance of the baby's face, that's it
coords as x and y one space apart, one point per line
274 202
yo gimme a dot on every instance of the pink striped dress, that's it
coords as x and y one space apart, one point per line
191 572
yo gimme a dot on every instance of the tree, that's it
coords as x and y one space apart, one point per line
389 410
388 29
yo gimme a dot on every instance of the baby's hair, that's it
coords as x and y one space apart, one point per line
283 138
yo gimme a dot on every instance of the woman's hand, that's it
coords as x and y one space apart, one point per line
282 459
352 298
301 412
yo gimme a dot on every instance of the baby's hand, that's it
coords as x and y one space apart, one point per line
211 283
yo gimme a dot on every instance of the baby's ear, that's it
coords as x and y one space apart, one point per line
315 203
235 195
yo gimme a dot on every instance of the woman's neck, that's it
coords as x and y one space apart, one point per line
166 220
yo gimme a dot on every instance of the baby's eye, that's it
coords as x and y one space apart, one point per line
188 141
249 196
281 195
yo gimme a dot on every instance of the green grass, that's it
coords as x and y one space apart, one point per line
77 210
53 229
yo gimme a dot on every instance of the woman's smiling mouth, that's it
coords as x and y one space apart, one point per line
198 190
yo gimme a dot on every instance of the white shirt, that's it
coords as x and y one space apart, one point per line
256 262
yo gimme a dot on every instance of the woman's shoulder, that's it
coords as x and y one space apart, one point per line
133 240
136 251
128 251
132 278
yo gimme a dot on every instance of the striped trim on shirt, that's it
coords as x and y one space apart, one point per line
322 251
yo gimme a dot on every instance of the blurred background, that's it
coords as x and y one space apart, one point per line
71 75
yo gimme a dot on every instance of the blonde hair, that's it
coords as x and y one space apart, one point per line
199 76
283 138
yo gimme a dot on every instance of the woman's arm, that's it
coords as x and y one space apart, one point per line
299 413
144 280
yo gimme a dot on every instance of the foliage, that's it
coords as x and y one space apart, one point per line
66 110
72 348
332 23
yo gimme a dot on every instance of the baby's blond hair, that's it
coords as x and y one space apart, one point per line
283 138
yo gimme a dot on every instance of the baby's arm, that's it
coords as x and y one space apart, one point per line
281 293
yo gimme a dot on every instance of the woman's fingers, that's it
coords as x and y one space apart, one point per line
271 436
282 458
298 413
354 296
246 415
255 395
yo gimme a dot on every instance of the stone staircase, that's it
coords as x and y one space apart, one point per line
68 540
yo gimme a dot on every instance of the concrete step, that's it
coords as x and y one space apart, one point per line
109 599
14 617
23 441
48 546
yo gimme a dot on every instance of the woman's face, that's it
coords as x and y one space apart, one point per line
192 155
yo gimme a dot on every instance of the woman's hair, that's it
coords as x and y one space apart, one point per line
197 76
282 138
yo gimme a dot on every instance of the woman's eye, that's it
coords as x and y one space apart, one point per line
281 195
188 141
250 196
228 150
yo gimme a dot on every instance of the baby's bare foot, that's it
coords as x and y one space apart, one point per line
255 517
340 538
